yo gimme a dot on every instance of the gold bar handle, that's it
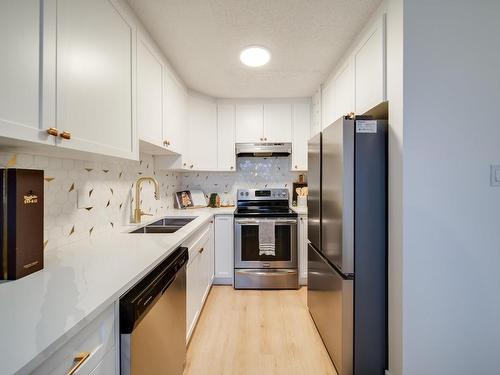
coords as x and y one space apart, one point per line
65 135
78 361
53 131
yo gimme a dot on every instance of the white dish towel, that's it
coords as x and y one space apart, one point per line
267 238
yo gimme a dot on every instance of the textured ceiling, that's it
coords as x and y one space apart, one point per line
203 39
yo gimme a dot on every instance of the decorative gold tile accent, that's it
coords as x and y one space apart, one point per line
90 192
109 202
120 174
89 208
45 244
12 161
89 169
111 189
90 231
112 224
105 170
48 179
72 231
72 187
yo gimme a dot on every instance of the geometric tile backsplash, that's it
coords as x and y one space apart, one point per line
250 173
109 186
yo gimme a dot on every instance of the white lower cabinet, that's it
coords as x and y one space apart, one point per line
97 339
302 248
224 249
200 271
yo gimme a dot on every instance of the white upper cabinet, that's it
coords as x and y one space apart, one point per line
226 156
149 94
20 72
328 105
202 150
344 91
175 114
370 85
95 78
249 123
277 122
301 131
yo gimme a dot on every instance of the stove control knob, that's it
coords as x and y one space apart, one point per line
241 193
246 193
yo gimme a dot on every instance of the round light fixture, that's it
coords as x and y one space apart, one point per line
255 56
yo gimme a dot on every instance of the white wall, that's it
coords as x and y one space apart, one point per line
451 276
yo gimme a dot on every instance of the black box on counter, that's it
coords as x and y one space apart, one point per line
21 229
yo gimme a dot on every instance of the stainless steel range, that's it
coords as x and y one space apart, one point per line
265 236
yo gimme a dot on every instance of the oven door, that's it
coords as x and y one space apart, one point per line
246 237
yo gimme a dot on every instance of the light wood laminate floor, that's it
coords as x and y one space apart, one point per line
256 332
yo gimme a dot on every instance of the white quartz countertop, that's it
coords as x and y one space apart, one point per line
301 210
40 312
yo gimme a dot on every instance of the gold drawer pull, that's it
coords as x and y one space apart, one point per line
201 250
53 131
65 135
78 361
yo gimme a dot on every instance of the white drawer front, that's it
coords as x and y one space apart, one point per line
97 338
107 366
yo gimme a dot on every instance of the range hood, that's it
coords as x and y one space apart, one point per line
263 149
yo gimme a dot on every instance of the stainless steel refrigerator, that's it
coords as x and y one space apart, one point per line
347 230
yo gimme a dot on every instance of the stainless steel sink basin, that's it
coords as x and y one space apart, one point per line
165 225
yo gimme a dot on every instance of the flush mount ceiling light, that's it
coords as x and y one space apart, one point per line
255 56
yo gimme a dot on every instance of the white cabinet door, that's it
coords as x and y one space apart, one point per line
194 286
370 70
328 105
344 91
249 123
20 72
302 240
224 249
95 78
277 122
301 131
202 114
175 114
149 94
226 156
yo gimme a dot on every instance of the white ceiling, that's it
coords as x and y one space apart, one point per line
203 39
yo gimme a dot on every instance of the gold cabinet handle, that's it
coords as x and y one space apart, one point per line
166 142
201 250
232 167
78 361
191 166
295 167
185 164
265 139
65 135
53 131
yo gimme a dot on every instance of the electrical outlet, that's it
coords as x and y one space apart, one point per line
495 175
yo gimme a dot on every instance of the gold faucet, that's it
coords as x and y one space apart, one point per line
138 213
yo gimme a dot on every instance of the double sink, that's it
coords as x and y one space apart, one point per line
165 225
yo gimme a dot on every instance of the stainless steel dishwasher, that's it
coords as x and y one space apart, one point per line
153 320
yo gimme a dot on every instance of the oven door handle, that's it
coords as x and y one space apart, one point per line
258 221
